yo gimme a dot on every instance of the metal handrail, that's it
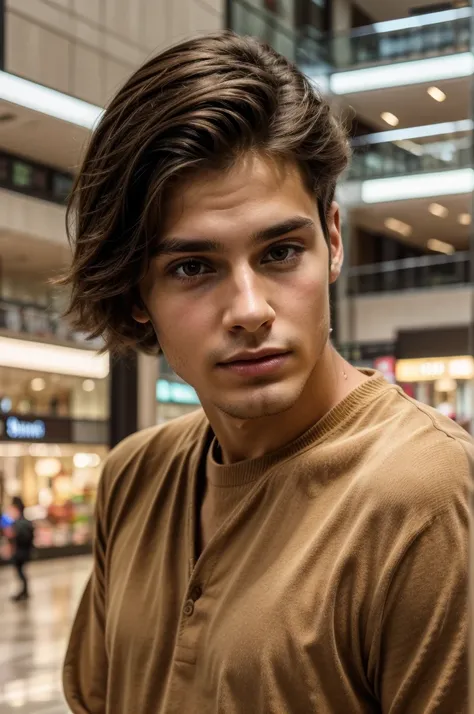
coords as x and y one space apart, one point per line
424 261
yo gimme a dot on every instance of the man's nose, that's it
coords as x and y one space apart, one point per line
248 307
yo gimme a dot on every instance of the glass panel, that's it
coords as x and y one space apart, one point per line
411 157
413 273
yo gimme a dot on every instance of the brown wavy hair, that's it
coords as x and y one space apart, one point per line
196 106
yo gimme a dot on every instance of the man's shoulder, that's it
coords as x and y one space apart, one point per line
424 460
156 444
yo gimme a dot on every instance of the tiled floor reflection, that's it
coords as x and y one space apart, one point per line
33 635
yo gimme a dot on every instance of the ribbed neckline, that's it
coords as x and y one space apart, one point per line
243 472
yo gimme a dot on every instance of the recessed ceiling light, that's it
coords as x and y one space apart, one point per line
438 210
38 384
88 385
464 219
437 94
393 224
439 246
390 118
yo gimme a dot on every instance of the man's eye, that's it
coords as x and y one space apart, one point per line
281 254
191 269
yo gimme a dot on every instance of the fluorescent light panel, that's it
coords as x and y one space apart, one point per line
390 118
393 224
464 219
22 354
402 73
30 95
414 132
436 209
444 183
436 93
440 246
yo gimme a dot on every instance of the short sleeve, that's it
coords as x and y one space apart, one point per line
423 646
85 667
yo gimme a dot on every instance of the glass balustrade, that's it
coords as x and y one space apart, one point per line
404 158
410 274
418 37
373 46
20 318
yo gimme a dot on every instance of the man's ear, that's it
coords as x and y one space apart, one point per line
335 242
139 312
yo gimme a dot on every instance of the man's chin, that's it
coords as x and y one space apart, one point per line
267 401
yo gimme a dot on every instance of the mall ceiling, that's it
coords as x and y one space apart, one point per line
26 255
41 138
416 214
411 104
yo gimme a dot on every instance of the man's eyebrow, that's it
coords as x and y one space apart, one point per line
169 246
280 229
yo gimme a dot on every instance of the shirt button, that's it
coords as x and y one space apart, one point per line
188 608
196 593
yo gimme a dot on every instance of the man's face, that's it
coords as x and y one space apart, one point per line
238 294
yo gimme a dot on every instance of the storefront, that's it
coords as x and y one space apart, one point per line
445 383
54 436
174 399
54 465
372 355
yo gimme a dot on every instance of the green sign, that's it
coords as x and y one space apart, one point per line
175 392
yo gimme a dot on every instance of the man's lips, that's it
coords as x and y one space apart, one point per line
253 356
256 364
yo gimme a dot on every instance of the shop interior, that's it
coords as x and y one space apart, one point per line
58 484
54 395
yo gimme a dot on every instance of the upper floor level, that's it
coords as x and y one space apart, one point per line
358 47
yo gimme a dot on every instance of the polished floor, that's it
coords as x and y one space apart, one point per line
33 635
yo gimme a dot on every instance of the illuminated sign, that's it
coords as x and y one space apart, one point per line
21 429
175 392
424 370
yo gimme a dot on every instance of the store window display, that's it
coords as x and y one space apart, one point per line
444 383
58 484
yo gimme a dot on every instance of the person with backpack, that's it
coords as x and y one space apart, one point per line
21 540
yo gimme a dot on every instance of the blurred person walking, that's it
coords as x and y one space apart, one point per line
21 537
300 544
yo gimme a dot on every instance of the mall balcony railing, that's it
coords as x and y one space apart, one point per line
417 37
413 38
21 319
431 271
407 157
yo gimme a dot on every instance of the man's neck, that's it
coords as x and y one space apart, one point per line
330 382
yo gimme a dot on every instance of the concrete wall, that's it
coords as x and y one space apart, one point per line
87 48
376 318
32 217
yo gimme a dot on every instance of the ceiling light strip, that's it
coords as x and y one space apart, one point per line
415 132
399 188
41 357
31 95
402 74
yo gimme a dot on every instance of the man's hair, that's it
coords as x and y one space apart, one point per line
197 106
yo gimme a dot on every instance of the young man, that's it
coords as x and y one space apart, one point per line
300 545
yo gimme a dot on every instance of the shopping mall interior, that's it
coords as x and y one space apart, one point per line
398 72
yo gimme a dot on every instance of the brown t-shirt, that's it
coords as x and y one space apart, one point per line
338 585
224 490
